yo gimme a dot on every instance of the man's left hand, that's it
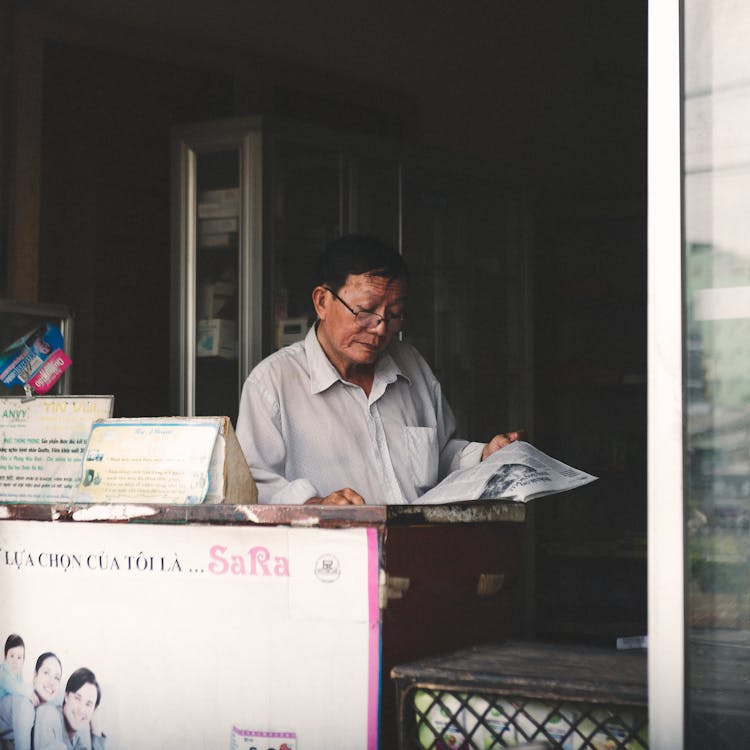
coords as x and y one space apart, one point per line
501 440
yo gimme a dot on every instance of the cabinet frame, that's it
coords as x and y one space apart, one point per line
188 143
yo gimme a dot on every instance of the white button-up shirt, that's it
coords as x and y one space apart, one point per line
306 432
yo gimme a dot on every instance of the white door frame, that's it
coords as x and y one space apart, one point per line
666 597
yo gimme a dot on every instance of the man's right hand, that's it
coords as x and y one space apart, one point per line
347 496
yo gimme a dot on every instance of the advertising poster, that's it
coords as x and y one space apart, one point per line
199 637
42 444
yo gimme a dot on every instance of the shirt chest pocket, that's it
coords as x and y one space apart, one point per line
422 450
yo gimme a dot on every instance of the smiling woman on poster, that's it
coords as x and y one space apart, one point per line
75 724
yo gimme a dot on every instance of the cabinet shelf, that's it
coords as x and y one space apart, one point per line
630 382
617 550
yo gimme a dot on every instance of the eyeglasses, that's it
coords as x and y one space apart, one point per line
369 321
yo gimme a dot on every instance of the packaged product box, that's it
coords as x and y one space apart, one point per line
489 725
606 730
440 725
217 338
214 296
558 722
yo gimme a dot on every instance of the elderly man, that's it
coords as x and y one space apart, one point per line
351 414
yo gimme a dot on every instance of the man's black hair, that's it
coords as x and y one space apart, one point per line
356 254
79 678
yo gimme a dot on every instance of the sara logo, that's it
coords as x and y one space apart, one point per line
327 568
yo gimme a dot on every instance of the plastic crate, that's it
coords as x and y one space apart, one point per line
515 693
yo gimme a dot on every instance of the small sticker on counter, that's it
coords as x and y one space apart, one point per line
251 739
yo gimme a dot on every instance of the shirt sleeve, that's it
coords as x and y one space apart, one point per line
47 728
261 439
7 716
470 455
23 722
459 454
10 684
455 453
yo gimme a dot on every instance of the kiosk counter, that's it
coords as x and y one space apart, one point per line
252 626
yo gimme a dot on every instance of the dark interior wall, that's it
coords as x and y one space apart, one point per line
104 235
553 102
556 99
554 88
552 98
549 95
590 397
5 56
105 203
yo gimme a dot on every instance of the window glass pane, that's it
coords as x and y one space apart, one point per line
374 197
306 198
216 283
716 100
464 311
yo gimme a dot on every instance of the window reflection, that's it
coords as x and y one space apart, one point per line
717 370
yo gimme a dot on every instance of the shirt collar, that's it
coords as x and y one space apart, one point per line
323 374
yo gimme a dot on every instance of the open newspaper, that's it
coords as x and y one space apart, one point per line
518 471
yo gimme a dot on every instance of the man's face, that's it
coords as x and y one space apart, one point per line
348 345
78 707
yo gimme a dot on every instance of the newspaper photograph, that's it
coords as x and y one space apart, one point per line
518 471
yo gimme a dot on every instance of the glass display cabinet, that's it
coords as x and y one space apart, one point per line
216 282
256 199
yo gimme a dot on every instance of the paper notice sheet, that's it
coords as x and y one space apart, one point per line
149 460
